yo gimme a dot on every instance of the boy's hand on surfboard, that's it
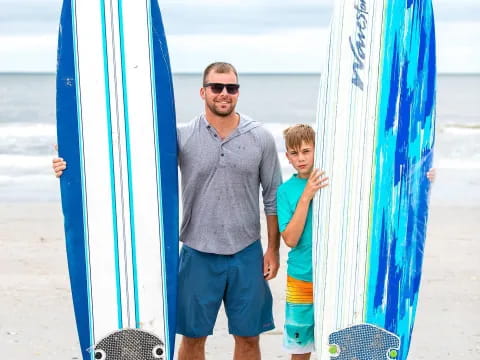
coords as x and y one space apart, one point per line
58 165
316 181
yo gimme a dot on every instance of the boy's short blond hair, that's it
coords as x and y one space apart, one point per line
296 134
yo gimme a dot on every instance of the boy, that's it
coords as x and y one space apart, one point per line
294 198
294 210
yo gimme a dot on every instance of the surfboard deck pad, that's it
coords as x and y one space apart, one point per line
130 344
363 342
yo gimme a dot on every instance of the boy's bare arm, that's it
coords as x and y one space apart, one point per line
295 227
292 233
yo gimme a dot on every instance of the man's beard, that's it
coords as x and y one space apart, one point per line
222 113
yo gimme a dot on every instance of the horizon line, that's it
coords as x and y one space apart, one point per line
240 73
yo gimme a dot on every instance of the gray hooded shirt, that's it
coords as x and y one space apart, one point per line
221 182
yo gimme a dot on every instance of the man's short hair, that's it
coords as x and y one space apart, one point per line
219 67
296 134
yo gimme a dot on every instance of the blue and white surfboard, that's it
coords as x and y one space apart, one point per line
375 135
116 130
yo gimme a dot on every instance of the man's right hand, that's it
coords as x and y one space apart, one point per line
58 165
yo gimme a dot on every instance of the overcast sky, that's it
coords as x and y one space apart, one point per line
255 35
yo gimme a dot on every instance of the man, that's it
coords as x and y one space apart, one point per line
224 158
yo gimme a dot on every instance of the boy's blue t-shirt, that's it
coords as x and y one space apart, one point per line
300 257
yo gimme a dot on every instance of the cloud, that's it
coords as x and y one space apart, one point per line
26 11
33 53
294 51
29 17
268 35
455 11
457 49
235 18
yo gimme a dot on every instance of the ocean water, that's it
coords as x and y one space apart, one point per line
28 135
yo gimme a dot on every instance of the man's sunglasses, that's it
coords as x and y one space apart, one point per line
217 88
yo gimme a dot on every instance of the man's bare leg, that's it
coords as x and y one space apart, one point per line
192 348
247 348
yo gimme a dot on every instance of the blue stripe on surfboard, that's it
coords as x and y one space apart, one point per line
394 284
83 181
129 165
70 182
159 179
372 73
112 166
371 249
167 142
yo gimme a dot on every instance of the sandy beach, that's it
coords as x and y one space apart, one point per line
36 316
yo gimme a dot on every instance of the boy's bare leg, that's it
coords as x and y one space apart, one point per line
192 348
247 348
301 356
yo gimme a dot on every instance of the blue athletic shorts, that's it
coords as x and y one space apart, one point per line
205 280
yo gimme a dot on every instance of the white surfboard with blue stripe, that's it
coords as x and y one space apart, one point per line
375 135
116 130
